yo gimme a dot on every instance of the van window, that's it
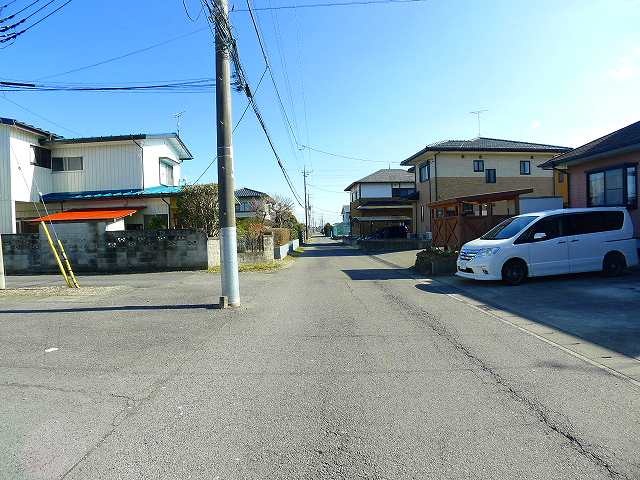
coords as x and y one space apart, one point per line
508 228
593 222
551 226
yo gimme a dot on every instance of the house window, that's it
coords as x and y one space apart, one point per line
560 177
525 167
478 165
613 187
41 157
422 213
490 175
402 192
166 173
424 172
66 164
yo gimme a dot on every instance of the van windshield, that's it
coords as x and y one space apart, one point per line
508 228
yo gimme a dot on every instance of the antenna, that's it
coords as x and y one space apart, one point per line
478 113
177 117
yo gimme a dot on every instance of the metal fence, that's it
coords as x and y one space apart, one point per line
250 243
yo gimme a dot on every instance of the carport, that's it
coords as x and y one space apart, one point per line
458 220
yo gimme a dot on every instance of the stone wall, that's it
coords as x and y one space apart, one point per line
108 252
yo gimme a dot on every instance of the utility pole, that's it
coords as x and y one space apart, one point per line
226 180
3 285
305 174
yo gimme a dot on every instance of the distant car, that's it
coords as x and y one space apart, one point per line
395 231
550 243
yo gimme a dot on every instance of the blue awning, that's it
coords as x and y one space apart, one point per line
159 191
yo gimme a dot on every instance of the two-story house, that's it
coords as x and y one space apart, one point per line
457 168
382 199
127 181
252 204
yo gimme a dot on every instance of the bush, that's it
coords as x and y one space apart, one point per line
281 236
427 256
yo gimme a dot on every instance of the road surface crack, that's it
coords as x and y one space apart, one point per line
537 409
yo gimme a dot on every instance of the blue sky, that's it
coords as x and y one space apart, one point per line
378 81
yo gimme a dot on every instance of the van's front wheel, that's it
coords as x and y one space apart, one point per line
613 264
514 272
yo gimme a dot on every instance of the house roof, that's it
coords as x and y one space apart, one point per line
627 139
159 191
248 192
386 175
174 138
484 144
25 126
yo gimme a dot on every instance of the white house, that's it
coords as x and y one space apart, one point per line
128 181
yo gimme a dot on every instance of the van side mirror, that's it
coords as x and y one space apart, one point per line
539 236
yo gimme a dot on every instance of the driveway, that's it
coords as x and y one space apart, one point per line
592 315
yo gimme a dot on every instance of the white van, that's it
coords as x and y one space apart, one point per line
550 243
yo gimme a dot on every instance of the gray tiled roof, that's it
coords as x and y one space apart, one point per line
248 192
625 138
386 175
484 144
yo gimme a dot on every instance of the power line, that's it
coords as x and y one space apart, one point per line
327 4
188 85
4 97
13 15
13 36
125 55
332 154
268 64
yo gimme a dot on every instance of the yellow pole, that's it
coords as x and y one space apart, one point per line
67 263
55 254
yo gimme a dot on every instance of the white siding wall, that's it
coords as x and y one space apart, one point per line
106 166
154 149
25 185
7 215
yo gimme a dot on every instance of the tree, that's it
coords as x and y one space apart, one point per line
198 208
326 230
261 207
282 212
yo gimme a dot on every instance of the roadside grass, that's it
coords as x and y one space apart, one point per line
261 267
296 253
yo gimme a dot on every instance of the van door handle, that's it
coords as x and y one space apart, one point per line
562 241
575 240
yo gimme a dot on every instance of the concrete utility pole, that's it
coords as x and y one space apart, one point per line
305 174
3 285
226 181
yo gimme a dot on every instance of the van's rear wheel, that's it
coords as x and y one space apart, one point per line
613 264
514 272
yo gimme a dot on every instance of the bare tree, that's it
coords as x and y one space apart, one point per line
198 208
261 207
282 211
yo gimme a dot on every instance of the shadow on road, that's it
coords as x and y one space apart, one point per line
115 308
600 311
379 274
329 250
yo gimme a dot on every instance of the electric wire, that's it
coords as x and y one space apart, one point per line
4 97
15 35
328 4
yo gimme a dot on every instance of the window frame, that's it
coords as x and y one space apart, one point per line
633 204
166 162
486 175
427 169
35 162
65 165
478 165
526 171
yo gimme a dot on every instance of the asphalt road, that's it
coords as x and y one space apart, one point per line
341 366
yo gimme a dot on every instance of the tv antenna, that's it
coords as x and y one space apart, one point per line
177 116
477 113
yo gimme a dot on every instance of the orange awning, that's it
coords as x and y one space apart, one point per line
87 215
